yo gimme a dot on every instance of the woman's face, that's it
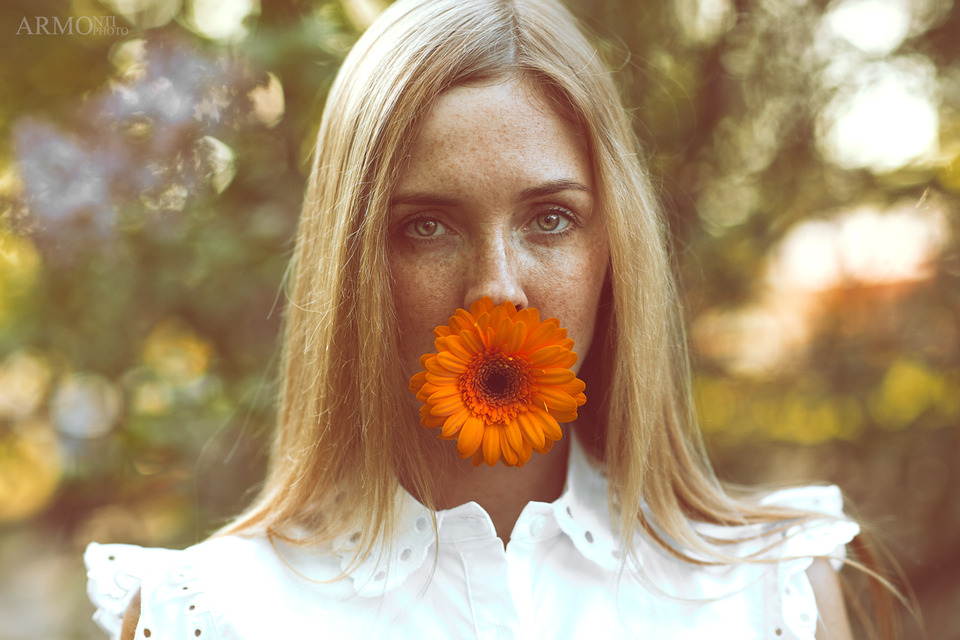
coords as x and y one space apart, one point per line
497 200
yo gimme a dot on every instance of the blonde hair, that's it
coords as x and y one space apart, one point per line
343 430
343 441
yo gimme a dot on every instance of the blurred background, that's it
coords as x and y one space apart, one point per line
153 155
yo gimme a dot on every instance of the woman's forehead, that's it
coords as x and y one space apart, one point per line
494 132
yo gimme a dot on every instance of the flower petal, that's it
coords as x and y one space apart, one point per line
454 422
451 362
433 365
545 356
513 435
553 356
430 388
510 456
530 428
471 436
574 387
557 400
564 416
472 341
442 393
547 423
447 407
491 445
424 394
545 448
540 337
429 421
502 333
457 348
482 305
483 322
461 321
518 333
498 315
445 380
529 316
525 453
417 381
553 376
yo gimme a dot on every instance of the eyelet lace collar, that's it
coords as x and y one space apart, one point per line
580 513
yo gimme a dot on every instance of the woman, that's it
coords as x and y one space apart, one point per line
475 149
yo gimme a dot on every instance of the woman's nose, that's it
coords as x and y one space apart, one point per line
495 272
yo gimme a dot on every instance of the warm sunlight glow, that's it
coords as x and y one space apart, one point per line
145 14
886 119
866 245
874 26
222 20
268 102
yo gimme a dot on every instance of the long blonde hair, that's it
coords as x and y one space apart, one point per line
343 439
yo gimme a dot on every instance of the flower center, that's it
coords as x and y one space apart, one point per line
498 380
496 387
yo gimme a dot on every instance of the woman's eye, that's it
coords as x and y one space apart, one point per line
425 228
552 221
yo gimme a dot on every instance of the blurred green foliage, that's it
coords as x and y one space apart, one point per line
150 184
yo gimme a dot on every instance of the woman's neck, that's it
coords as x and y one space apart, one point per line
502 491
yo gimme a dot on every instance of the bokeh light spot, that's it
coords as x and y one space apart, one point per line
24 381
362 13
223 20
176 353
222 161
268 102
19 266
874 26
907 391
30 469
145 14
885 119
704 21
85 405
865 245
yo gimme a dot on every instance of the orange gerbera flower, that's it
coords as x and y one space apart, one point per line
500 383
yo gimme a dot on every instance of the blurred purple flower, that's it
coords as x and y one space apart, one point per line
65 182
181 88
137 148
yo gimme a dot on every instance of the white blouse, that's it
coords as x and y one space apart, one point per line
559 577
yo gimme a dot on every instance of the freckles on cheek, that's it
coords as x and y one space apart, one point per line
420 305
572 292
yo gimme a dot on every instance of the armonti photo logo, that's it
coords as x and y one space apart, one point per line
74 25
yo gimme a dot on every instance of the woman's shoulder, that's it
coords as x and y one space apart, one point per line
779 558
825 533
807 593
824 529
173 583
197 592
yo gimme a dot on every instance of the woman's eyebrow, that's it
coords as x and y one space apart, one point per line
553 186
426 199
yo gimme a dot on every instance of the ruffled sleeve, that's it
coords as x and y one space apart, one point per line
172 602
792 596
